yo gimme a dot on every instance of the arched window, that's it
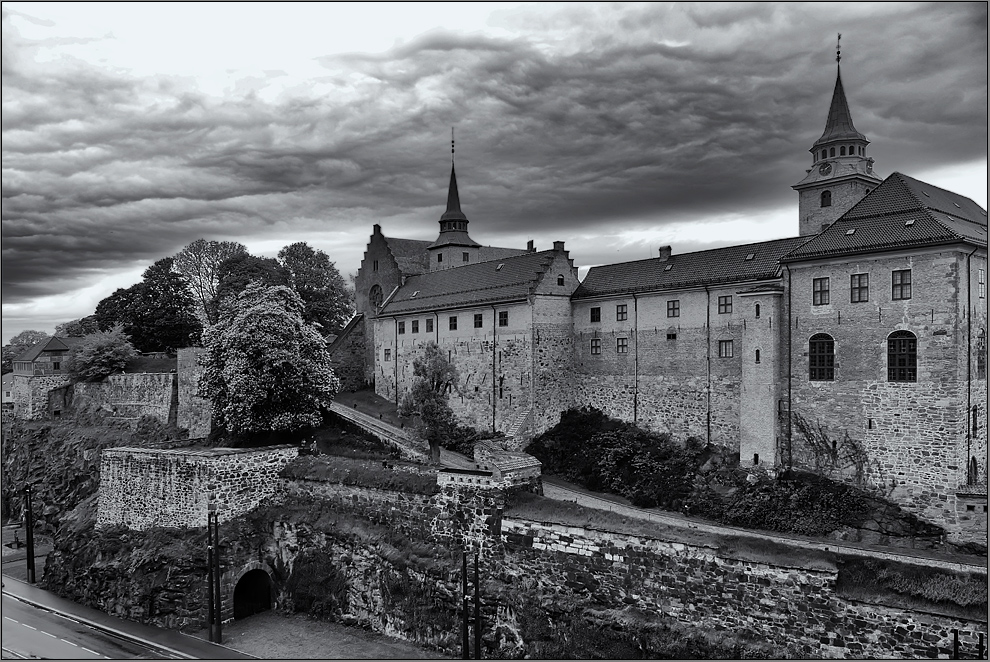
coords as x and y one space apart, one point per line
757 311
831 152
824 153
973 475
842 151
826 198
902 357
821 358
560 279
756 459
375 297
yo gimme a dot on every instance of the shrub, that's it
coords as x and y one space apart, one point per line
361 472
100 355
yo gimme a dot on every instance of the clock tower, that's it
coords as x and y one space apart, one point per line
841 174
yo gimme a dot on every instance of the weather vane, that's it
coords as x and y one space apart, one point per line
838 45
451 144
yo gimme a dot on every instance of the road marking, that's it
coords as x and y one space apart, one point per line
71 643
10 619
47 634
29 626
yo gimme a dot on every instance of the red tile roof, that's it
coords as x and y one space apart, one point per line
902 212
480 283
711 267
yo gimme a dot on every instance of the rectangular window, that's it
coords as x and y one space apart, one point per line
465 257
596 346
415 326
503 318
674 308
56 365
900 284
622 345
388 355
453 323
439 257
478 321
429 325
820 292
983 283
621 312
859 288
402 328
724 305
596 314
671 335
375 266
725 349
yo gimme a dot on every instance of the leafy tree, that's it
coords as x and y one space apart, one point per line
434 377
156 313
19 344
100 354
200 263
78 328
266 369
241 270
325 294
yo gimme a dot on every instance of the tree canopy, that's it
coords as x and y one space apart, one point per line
157 313
325 295
434 377
100 354
200 263
78 328
266 368
238 272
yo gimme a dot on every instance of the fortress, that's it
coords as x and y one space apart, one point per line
871 324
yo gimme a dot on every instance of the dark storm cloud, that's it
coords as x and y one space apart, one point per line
592 118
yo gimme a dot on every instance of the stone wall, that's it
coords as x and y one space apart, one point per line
347 356
31 395
194 413
130 395
143 488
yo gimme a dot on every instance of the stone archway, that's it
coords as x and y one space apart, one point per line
253 592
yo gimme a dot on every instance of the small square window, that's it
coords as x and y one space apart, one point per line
478 321
596 314
622 345
402 328
415 326
900 284
596 346
453 323
820 292
674 308
465 257
725 305
621 312
503 318
388 355
429 325
671 335
725 349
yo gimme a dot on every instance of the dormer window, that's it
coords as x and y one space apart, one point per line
750 256
499 267
826 199
560 279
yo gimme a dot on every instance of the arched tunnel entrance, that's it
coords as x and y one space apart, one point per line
253 594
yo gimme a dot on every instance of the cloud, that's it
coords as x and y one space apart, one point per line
572 121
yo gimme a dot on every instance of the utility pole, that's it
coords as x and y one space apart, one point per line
29 526
218 604
477 609
465 639
209 571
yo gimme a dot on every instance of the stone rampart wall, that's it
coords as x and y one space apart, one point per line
194 413
31 395
129 395
142 488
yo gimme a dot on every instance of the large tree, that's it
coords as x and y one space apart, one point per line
100 354
200 263
19 344
157 313
78 328
325 295
434 376
240 271
266 368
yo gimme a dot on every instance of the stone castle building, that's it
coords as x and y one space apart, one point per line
870 323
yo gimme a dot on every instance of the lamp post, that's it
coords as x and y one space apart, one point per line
29 526
215 611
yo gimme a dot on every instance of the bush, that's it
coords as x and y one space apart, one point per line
364 473
100 354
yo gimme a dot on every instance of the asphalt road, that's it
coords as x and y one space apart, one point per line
32 632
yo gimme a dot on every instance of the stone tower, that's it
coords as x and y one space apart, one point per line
841 173
453 248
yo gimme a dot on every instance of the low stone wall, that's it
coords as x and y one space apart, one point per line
143 488
695 585
130 395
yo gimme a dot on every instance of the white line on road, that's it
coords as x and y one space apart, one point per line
47 634
29 626
71 643
11 620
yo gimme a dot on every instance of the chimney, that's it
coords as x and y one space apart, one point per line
558 245
529 247
376 229
664 253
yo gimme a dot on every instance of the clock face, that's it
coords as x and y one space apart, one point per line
825 168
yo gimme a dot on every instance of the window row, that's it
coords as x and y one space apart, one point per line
673 309
479 323
902 357
465 257
851 150
859 288
725 347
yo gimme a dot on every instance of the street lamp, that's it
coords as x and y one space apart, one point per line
29 526
215 612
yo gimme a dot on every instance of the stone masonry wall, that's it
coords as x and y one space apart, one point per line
695 585
143 488
348 358
194 413
130 395
31 395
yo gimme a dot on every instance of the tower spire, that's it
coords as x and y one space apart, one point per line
453 212
839 125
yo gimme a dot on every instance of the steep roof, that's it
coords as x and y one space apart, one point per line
409 254
52 344
341 338
711 267
482 283
902 212
839 125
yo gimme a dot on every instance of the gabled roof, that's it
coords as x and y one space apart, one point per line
410 254
510 279
839 125
711 267
902 212
344 333
52 344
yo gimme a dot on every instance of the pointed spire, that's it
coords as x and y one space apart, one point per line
839 125
453 212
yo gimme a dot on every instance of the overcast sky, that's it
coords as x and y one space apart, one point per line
130 130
